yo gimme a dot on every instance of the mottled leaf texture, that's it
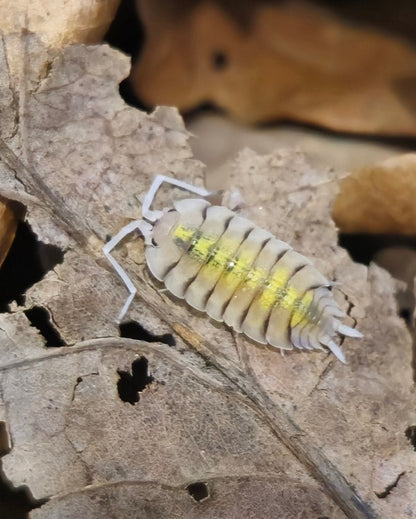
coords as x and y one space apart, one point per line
282 60
205 423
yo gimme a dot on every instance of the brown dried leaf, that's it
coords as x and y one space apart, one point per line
294 61
58 23
294 436
379 198
186 426
8 226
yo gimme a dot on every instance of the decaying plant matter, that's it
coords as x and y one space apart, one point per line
8 226
289 60
109 425
379 198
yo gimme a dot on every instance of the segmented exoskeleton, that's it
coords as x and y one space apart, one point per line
226 266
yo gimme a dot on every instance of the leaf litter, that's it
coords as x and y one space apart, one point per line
271 436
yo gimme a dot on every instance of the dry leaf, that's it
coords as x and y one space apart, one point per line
294 61
216 417
8 226
255 495
379 198
58 23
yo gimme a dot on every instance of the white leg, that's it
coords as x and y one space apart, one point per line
235 199
151 215
146 229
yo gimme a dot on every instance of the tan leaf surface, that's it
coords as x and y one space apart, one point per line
58 23
270 436
379 198
262 495
292 61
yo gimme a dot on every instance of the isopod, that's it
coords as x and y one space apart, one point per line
224 265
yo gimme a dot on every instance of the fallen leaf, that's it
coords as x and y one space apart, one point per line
58 23
256 495
216 417
8 226
379 198
292 61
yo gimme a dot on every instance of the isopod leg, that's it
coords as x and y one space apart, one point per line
152 215
146 229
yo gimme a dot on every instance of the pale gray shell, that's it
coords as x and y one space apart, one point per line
237 303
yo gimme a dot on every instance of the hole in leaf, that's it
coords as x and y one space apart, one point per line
133 330
198 491
39 318
410 433
26 264
15 503
219 60
130 385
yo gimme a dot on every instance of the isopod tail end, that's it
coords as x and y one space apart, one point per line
349 332
336 350
337 312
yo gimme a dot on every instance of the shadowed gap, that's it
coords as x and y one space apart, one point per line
133 330
126 33
362 247
39 318
26 264
410 433
15 503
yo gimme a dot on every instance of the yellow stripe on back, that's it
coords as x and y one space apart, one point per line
183 233
301 306
275 288
217 253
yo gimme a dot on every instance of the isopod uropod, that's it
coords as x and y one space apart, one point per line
226 266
